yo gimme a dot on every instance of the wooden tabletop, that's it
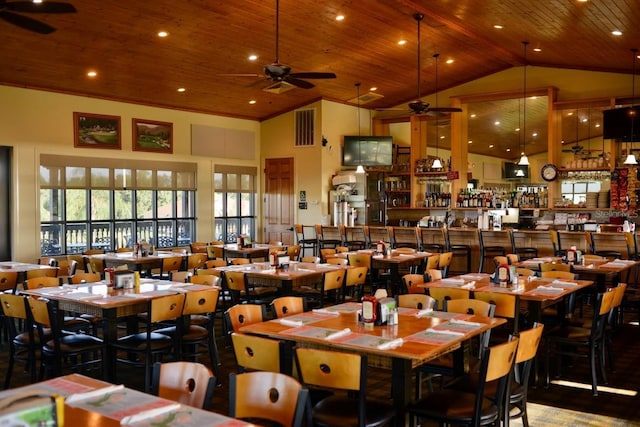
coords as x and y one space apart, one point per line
90 402
596 266
394 258
21 267
533 289
294 270
418 338
123 257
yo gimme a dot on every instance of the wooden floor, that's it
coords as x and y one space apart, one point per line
611 404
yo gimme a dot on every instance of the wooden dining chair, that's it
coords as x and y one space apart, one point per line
84 278
582 342
62 349
41 282
196 260
354 282
459 407
268 396
169 265
419 301
42 272
557 274
213 263
443 294
288 305
411 282
254 353
8 281
23 345
188 383
337 261
345 372
240 315
330 287
149 346
204 279
180 276
552 266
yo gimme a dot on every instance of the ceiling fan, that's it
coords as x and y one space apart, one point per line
280 73
419 106
11 12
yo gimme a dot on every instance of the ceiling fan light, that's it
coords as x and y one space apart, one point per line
630 160
437 164
524 160
360 169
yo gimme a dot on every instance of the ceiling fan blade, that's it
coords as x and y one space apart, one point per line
27 23
446 109
313 75
46 7
254 75
299 83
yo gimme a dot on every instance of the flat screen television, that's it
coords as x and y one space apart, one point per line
367 151
515 171
618 123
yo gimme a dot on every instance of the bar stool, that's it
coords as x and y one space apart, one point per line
432 239
405 237
378 234
306 238
555 242
355 237
458 249
489 251
524 252
329 236
609 239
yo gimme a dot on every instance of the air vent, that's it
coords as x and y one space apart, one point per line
305 127
367 97
279 87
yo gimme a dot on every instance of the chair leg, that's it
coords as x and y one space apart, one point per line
594 377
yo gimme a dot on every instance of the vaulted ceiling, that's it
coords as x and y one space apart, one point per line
207 40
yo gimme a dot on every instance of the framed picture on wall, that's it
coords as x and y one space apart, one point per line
153 136
96 131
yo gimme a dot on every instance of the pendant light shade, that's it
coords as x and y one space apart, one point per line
437 164
360 168
630 160
524 160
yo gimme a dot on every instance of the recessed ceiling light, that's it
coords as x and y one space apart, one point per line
181 89
92 73
508 149
37 1
449 61
616 32
498 27
517 129
340 18
373 89
253 101
473 116
253 57
497 123
570 113
585 120
537 49
597 125
469 142
162 34
441 136
534 134
582 1
562 142
402 42
490 145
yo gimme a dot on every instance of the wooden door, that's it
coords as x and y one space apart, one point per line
278 200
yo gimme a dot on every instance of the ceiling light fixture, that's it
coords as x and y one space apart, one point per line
631 159
437 164
360 168
524 160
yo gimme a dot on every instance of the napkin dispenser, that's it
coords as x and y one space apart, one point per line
377 310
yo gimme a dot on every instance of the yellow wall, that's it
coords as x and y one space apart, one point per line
37 122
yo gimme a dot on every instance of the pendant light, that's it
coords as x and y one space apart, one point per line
437 164
360 168
524 160
631 159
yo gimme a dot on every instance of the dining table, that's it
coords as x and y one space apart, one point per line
601 270
286 277
21 268
91 402
137 262
418 337
101 300
538 292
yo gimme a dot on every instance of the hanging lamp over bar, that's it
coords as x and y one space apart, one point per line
360 168
631 159
524 160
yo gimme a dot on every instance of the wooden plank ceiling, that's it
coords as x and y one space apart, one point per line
208 39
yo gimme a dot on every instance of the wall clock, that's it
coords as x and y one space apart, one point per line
549 172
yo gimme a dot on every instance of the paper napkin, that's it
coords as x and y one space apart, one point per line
338 334
425 312
445 332
391 344
564 283
325 311
548 289
294 323
453 281
93 393
151 413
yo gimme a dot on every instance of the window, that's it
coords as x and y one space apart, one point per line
234 202
88 203
576 191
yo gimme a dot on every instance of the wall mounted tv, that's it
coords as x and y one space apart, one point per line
515 171
367 151
618 123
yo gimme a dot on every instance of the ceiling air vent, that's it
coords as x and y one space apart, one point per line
365 98
279 87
